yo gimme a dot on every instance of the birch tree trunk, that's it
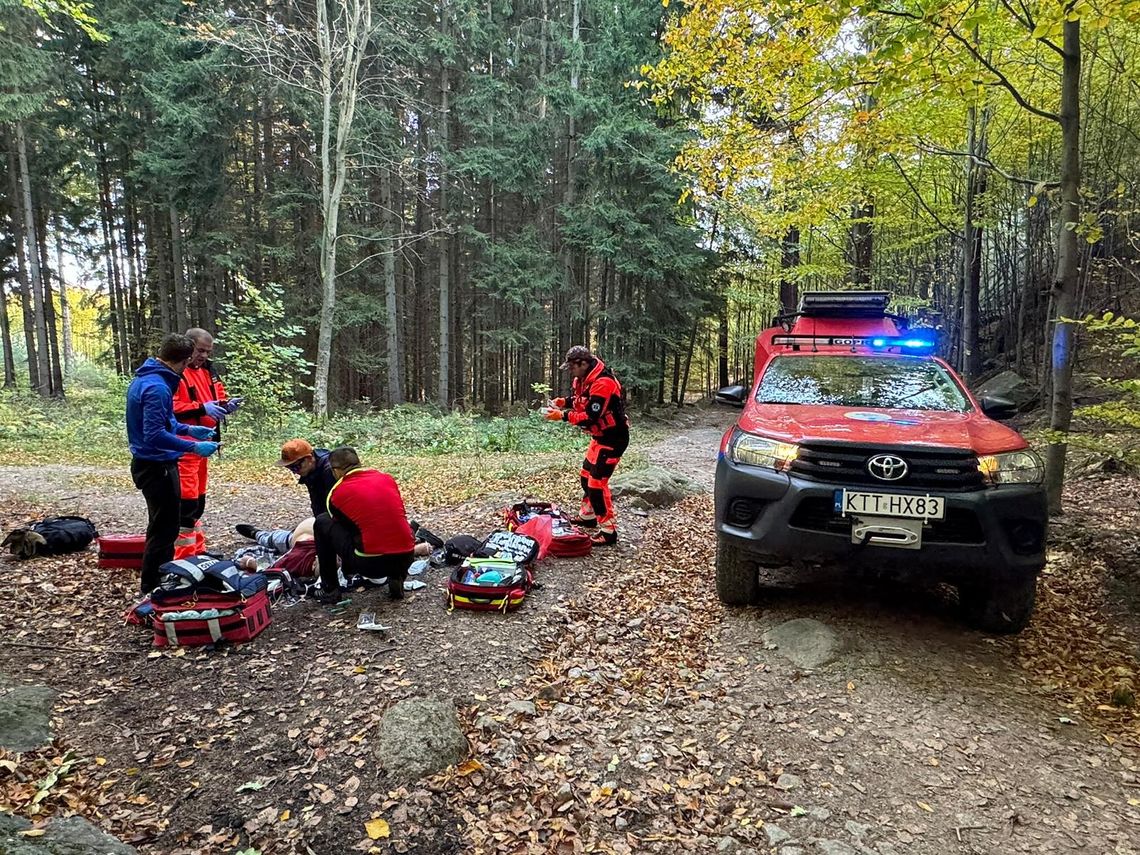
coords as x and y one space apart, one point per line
341 44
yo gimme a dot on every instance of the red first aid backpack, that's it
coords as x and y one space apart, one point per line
511 558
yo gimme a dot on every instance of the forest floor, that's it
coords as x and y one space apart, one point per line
621 709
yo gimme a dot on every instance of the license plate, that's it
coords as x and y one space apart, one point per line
889 505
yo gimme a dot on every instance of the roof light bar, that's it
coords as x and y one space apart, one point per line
907 343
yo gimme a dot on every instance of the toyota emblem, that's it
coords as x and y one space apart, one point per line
887 467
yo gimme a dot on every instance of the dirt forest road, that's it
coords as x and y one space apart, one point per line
623 709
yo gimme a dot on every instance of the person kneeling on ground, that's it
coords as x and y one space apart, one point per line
281 540
366 527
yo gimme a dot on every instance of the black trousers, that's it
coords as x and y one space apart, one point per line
336 540
158 481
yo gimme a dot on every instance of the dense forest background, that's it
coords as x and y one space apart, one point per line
398 201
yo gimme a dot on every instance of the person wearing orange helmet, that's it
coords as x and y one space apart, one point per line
597 406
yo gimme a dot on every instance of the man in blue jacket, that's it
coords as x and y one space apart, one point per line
157 441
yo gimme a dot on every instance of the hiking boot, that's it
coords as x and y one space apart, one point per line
327 598
247 531
601 537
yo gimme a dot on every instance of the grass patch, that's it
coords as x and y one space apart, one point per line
437 458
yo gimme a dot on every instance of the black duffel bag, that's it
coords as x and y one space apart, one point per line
51 536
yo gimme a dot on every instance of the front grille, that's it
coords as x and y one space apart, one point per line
817 513
928 468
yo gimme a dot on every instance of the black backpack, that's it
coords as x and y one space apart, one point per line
51 536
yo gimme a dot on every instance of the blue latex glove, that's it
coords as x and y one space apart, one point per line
233 403
200 432
214 410
204 449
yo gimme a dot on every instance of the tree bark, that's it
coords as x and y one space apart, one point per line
968 356
35 281
6 340
177 268
391 302
1067 263
17 217
64 302
49 308
340 57
789 260
443 396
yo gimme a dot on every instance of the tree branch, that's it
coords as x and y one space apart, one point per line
954 233
931 148
1002 80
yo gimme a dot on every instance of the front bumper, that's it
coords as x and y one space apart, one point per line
987 533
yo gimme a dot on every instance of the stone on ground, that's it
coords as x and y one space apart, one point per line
71 836
25 716
775 834
1011 386
653 487
805 642
419 737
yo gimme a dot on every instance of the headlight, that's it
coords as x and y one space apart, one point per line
1014 467
753 450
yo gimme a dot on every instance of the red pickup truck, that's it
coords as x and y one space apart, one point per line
857 445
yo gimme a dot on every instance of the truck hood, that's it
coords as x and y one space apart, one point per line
871 426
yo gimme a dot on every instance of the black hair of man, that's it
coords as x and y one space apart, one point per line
344 458
175 348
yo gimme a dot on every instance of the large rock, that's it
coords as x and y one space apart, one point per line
653 487
1011 386
806 642
25 716
71 836
418 737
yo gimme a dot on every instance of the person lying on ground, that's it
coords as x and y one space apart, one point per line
366 527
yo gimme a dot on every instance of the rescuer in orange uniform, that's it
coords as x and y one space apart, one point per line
200 399
596 406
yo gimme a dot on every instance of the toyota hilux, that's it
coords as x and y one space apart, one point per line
857 445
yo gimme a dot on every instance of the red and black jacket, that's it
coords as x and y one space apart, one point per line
369 501
599 407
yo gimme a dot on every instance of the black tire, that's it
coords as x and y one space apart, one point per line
737 576
1001 606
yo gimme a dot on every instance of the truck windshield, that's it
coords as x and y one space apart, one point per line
911 383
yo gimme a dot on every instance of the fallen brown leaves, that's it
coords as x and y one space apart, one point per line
57 782
546 778
1072 647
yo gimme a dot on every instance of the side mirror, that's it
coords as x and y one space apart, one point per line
731 396
998 408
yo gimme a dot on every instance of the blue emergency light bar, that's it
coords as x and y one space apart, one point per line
912 343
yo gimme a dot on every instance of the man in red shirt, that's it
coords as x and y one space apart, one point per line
366 527
200 399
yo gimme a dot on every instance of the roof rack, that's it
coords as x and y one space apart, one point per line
840 304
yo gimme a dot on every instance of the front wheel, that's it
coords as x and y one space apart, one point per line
1001 605
737 576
